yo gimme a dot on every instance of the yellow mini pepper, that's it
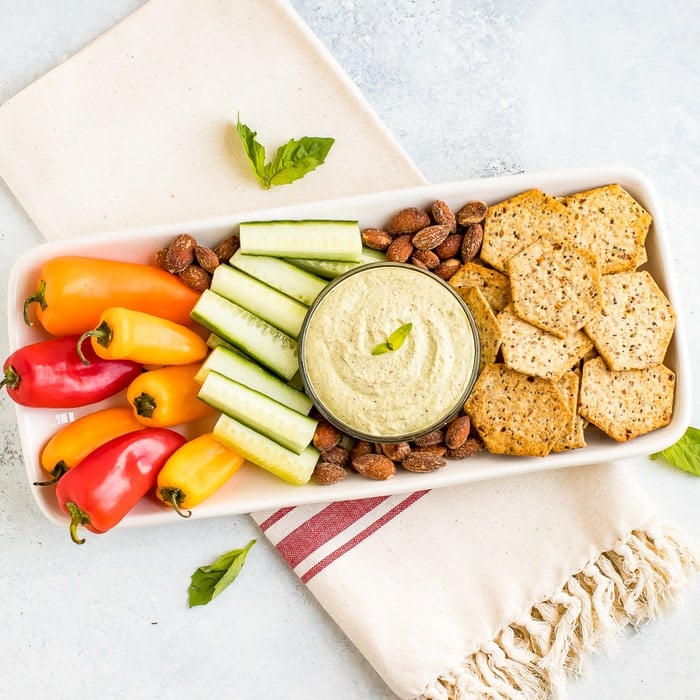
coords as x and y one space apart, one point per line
75 441
167 396
194 472
124 334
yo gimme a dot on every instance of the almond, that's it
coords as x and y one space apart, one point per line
422 462
336 454
407 220
361 447
225 249
180 253
450 247
444 215
374 466
376 239
206 258
457 432
448 268
160 257
470 447
471 244
396 451
473 212
418 263
430 236
427 258
326 436
326 473
195 278
400 249
438 450
433 438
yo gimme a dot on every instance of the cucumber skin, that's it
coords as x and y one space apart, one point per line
285 365
293 468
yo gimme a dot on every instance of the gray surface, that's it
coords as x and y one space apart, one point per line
470 89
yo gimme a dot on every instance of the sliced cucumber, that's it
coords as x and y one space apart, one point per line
330 269
231 364
294 468
281 275
252 335
213 341
267 303
280 423
306 238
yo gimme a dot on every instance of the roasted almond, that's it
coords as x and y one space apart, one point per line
470 447
206 258
428 259
374 466
430 236
376 239
225 249
396 451
443 215
448 268
419 461
407 220
326 473
433 438
457 432
400 249
361 447
473 237
450 247
326 436
160 257
195 278
180 253
438 450
336 454
473 212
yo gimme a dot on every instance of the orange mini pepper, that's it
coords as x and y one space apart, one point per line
72 292
75 441
167 396
194 472
125 334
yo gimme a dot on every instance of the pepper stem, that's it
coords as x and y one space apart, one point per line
11 378
57 472
39 298
145 404
77 517
103 335
174 497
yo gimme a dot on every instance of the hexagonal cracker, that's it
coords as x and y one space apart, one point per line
515 414
493 284
613 225
636 323
515 223
555 286
629 403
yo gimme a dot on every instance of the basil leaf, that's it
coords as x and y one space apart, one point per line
684 454
396 339
291 162
208 581
381 349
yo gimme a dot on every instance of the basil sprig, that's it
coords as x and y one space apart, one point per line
291 162
684 454
208 581
394 341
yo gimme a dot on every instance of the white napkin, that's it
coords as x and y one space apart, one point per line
495 589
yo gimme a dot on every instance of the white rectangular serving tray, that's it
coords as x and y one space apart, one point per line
253 489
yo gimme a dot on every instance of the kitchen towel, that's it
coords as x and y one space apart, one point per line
495 589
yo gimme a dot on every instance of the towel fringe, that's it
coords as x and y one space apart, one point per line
635 582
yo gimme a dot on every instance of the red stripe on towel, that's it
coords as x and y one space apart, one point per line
323 526
350 544
277 515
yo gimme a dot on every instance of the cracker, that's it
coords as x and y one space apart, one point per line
613 225
515 414
629 403
530 350
486 324
515 223
555 286
572 437
635 327
494 285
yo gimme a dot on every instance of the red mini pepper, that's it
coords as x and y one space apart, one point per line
50 374
101 489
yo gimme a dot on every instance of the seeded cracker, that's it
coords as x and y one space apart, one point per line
555 286
486 323
573 436
517 222
530 350
515 414
636 324
493 284
626 404
613 226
